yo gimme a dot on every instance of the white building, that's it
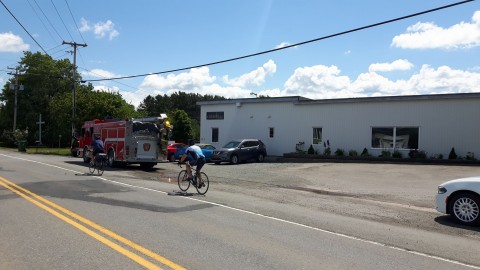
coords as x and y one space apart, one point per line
432 123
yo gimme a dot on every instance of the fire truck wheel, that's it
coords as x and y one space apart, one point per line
86 158
111 158
147 165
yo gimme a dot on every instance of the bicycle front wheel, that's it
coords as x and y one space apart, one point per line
183 182
91 166
206 184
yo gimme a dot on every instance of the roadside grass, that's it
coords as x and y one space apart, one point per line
41 150
49 151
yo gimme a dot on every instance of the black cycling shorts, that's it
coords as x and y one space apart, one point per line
198 162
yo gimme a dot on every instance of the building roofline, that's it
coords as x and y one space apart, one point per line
299 100
293 99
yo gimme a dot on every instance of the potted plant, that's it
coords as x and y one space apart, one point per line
20 137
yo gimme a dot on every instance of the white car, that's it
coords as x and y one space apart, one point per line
461 199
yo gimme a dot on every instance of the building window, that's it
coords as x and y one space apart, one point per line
214 115
270 132
214 134
395 137
317 135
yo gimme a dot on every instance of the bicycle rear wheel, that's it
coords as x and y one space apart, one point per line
206 184
100 166
183 182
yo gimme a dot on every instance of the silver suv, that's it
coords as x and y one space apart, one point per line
240 150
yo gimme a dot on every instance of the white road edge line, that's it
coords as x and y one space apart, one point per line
268 217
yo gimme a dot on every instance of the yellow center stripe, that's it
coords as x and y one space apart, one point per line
11 186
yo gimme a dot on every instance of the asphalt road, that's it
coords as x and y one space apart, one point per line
54 215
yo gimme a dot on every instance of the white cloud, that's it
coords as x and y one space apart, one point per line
322 82
253 78
12 43
430 36
315 82
85 25
186 82
100 29
400 64
100 73
284 44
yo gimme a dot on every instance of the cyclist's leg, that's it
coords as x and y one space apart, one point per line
189 168
200 164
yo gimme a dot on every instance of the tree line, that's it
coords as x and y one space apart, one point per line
47 90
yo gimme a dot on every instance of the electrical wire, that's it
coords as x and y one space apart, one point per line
48 20
289 46
40 19
23 27
78 29
96 74
64 25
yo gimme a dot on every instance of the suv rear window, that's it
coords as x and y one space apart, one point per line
250 143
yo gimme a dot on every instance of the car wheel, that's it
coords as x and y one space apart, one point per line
217 162
172 158
465 208
260 158
234 159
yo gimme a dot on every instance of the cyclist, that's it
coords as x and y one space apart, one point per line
193 156
97 146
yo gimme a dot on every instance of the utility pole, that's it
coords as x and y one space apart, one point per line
16 87
74 45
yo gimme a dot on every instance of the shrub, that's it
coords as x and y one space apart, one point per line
470 156
452 154
385 154
365 153
311 151
397 154
437 156
327 151
415 154
352 153
339 152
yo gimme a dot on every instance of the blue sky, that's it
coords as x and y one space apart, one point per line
433 53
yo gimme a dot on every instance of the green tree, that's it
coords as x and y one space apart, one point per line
48 87
90 105
182 126
187 102
42 79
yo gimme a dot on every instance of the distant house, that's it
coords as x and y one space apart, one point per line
432 123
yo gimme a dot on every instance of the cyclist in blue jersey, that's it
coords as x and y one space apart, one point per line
97 145
193 156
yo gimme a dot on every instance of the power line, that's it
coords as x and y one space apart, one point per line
40 19
48 20
64 25
71 14
99 75
289 46
23 27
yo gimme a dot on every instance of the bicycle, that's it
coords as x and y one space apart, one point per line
184 183
99 162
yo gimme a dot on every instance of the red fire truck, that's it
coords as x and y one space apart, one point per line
142 140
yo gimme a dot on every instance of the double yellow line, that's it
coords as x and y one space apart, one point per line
74 220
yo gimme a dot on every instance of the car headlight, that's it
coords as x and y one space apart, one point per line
441 190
